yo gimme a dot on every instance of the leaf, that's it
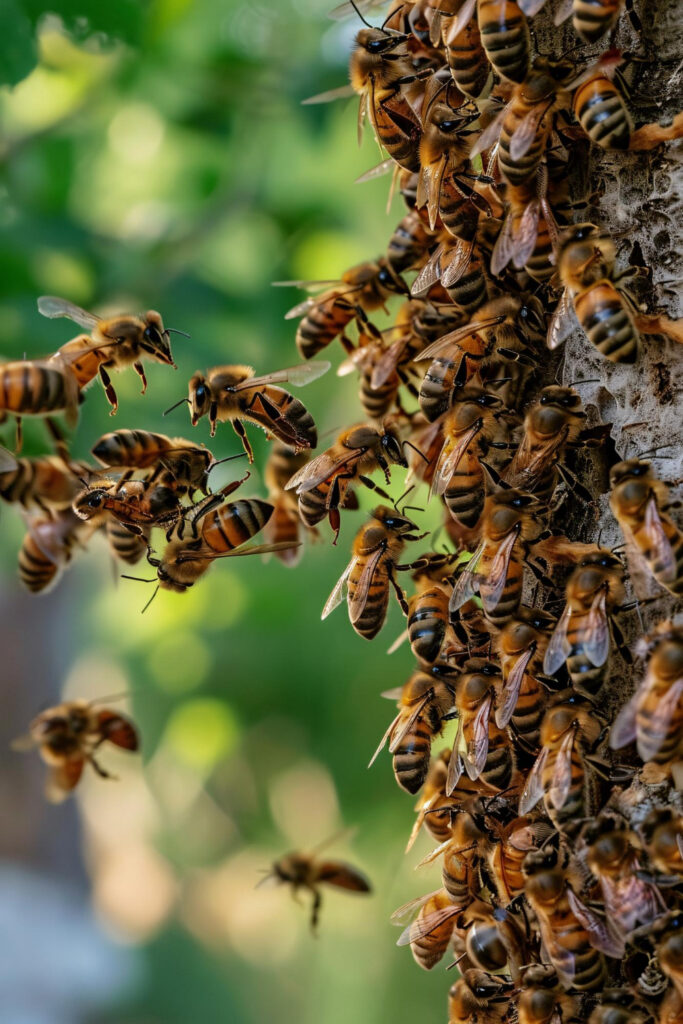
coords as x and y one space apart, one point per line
18 52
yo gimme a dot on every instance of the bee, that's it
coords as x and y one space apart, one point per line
322 485
575 938
368 576
521 702
174 461
309 871
493 940
126 546
134 503
662 836
479 996
69 735
486 750
592 20
233 393
510 523
284 524
653 717
542 1000
463 853
638 501
377 401
114 343
461 269
428 608
429 934
38 387
629 900
617 1006
507 848
422 701
505 37
48 547
466 56
581 637
669 930
475 424
409 244
561 774
46 482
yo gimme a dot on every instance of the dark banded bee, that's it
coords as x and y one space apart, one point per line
46 482
38 388
409 244
486 751
466 56
521 702
48 547
285 523
428 607
528 119
542 999
479 996
126 546
505 37
377 398
175 462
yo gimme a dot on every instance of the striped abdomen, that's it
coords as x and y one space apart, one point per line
500 760
599 106
657 567
409 243
36 570
529 711
234 523
653 745
126 546
138 448
474 625
459 877
464 496
402 144
590 972
316 503
32 389
374 613
467 60
439 383
322 323
427 621
458 214
429 949
281 414
283 526
411 757
540 264
85 367
505 37
586 677
519 171
44 481
603 314
510 599
378 401
580 802
470 291
592 18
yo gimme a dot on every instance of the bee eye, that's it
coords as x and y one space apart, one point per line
377 45
449 126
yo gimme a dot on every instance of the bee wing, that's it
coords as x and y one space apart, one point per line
377 171
353 362
478 746
409 722
505 248
449 459
464 15
322 467
489 136
301 308
526 234
455 763
562 322
601 937
423 926
467 584
62 779
8 463
300 376
510 692
562 772
309 286
455 262
387 363
337 595
659 722
624 729
53 307
526 131
559 647
432 175
342 92
437 347
562 960
563 12
22 744
492 586
255 549
525 468
430 273
342 876
533 788
661 550
359 600
595 636
408 910
382 742
531 7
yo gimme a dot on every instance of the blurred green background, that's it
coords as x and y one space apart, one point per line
155 155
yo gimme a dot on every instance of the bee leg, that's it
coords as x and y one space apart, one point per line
19 436
99 769
371 485
572 482
335 522
315 911
140 370
229 488
399 594
620 643
108 389
238 427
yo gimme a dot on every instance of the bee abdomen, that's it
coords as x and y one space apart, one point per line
464 498
468 62
411 758
378 401
126 546
499 767
603 116
321 325
470 291
27 388
427 624
236 522
436 390
505 37
36 570
605 319
592 18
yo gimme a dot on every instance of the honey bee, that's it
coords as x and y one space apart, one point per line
233 393
593 20
463 854
437 811
507 848
285 523
46 482
542 1000
460 268
669 930
38 387
581 637
485 750
465 54
409 244
322 485
114 343
48 547
479 996
510 523
493 939
638 501
429 934
617 1006
662 836
629 900
174 461
428 608
561 774
422 701
505 37
126 546
69 735
521 702
309 871
377 401
368 576
575 938
653 717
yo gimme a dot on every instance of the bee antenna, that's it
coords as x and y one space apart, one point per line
653 451
84 482
590 380
171 408
356 9
174 330
404 495
413 508
150 601
138 579
416 449
229 458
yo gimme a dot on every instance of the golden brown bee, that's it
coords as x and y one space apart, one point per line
377 401
46 482
136 504
233 393
486 750
371 572
600 109
581 637
430 933
126 546
409 244
617 1006
465 54
48 547
505 37
114 343
175 462
561 775
422 701
69 735
638 501
574 937
463 853
669 930
542 1000
653 717
285 523
593 18
521 702
479 996
510 522
662 836
507 848
322 485
493 940
309 871
428 607
35 387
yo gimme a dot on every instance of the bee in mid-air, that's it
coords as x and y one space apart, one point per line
136 504
285 524
173 461
68 737
49 545
309 871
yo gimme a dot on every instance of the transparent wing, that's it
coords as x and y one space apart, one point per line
337 595
601 937
526 131
526 234
467 584
624 727
450 457
533 788
430 273
562 960
531 7
660 722
660 545
408 910
256 549
409 723
387 363
455 262
8 463
342 92
478 746
300 376
458 23
505 249
423 926
558 791
510 691
559 648
359 599
455 763
489 136
492 586
378 171
321 468
398 642
437 347
383 741
53 307
595 637
563 12
562 322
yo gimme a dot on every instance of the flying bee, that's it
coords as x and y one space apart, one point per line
562 773
542 999
322 485
429 934
581 637
309 871
48 547
134 503
422 701
521 702
510 524
46 482
617 1006
507 848
372 569
69 735
485 751
575 938
638 501
114 343
505 37
175 462
629 900
662 836
233 393
285 523
592 20
38 387
653 717
479 996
